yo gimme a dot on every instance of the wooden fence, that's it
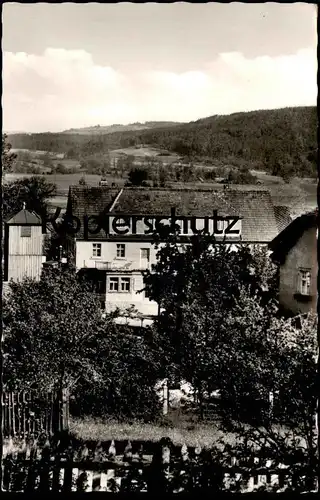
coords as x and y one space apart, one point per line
98 467
25 413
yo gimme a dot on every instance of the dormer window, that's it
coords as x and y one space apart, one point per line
25 232
304 283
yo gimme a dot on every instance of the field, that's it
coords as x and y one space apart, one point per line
146 152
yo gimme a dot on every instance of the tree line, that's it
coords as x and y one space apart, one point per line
282 142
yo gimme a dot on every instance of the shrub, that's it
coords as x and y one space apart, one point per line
137 176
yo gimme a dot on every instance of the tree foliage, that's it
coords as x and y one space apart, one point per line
33 191
195 285
220 328
138 176
241 176
55 336
269 386
50 330
7 157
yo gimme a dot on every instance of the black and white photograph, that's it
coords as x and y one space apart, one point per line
159 248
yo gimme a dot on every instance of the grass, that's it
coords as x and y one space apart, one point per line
106 430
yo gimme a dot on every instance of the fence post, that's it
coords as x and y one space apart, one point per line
165 397
63 397
65 409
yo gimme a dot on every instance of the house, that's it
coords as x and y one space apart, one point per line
114 237
295 251
23 246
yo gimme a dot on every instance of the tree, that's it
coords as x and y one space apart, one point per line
220 328
34 191
47 160
195 285
7 157
268 386
241 176
61 169
129 162
50 331
129 368
55 336
137 176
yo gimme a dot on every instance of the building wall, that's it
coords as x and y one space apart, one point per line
129 266
109 259
85 258
24 266
124 300
302 256
25 254
25 245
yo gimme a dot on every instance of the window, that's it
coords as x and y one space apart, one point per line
25 231
96 249
125 284
121 251
113 284
121 285
304 282
145 257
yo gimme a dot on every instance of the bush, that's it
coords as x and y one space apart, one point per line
241 176
126 389
137 176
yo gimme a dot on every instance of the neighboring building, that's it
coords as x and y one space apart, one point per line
295 250
117 261
23 246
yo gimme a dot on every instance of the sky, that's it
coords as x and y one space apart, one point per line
75 65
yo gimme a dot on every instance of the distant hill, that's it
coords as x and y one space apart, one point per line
289 133
109 129
281 141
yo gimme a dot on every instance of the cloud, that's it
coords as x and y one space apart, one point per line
65 88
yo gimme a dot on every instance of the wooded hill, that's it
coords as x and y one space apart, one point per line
109 129
274 140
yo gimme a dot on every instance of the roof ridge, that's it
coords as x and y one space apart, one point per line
115 201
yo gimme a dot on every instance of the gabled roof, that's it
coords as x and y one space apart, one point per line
282 244
25 217
283 217
85 200
254 207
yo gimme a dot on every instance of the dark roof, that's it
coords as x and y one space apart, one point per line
255 207
283 217
25 217
85 200
286 240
